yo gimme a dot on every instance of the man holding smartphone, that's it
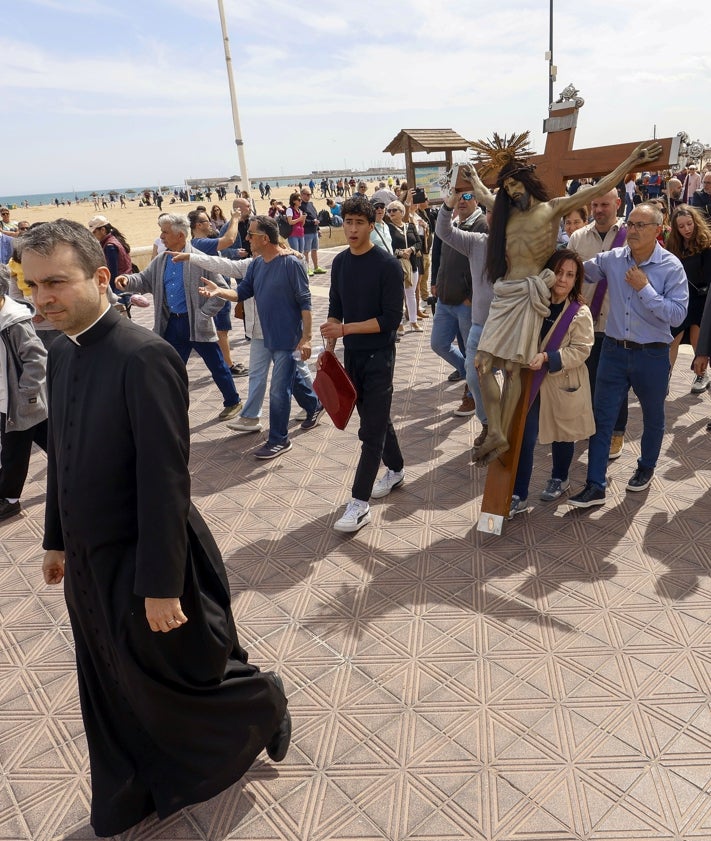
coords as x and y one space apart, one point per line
452 285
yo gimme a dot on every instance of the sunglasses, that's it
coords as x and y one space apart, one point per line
394 210
379 206
466 196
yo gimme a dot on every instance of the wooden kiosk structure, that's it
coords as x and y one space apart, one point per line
431 141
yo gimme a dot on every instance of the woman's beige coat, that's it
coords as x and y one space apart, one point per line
566 406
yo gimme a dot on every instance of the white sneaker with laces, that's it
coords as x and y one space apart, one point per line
390 480
356 515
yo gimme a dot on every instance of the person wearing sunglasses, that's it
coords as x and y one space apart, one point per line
452 285
648 296
380 235
406 244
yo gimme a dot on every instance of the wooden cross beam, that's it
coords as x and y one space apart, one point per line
560 162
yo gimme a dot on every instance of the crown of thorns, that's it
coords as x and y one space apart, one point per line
492 155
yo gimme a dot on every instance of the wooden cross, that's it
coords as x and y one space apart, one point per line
555 167
560 162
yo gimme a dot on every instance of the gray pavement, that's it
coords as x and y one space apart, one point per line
551 683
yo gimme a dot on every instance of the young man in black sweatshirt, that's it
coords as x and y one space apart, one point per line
365 309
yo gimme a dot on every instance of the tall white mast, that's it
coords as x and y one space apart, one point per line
233 99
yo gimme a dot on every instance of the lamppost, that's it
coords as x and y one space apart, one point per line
552 69
233 99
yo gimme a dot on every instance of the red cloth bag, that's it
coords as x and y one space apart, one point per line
335 390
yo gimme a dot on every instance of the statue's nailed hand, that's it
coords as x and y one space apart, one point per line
647 154
469 174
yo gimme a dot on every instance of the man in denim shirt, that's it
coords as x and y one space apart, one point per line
648 295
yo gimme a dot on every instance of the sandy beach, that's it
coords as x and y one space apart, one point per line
139 224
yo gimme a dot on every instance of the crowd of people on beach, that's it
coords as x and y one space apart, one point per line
622 290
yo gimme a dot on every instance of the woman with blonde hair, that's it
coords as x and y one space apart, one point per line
406 245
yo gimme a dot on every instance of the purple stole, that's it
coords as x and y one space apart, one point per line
596 303
556 338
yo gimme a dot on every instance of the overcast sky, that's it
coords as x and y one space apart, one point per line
103 94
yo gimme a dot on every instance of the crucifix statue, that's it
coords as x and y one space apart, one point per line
522 236
524 247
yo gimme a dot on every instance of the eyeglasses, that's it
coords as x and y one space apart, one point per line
466 196
638 226
255 234
394 210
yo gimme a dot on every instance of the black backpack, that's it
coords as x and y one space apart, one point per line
283 225
324 218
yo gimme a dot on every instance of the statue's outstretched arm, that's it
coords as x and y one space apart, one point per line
637 160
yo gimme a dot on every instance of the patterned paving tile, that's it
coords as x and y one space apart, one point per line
552 683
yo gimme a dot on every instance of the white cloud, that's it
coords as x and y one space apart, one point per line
319 86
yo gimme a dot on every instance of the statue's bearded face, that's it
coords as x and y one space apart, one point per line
517 193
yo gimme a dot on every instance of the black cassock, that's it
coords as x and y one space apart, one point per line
171 719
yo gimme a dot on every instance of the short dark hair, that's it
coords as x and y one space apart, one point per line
193 217
266 225
44 239
358 206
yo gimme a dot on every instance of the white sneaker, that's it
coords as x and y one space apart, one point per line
356 515
701 383
391 479
245 425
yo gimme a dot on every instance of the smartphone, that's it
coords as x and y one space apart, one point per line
419 196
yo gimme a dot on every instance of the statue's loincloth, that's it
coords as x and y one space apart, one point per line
512 328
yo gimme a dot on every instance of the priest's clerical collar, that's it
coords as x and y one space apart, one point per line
77 337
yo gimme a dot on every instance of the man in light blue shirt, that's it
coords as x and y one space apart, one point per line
648 295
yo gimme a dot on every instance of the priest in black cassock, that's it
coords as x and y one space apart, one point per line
173 711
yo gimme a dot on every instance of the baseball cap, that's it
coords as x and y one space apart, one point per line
97 222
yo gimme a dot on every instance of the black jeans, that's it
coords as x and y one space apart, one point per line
372 374
15 456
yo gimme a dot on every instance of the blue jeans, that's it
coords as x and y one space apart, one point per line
592 362
297 243
177 334
260 358
448 320
562 452
472 377
646 371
